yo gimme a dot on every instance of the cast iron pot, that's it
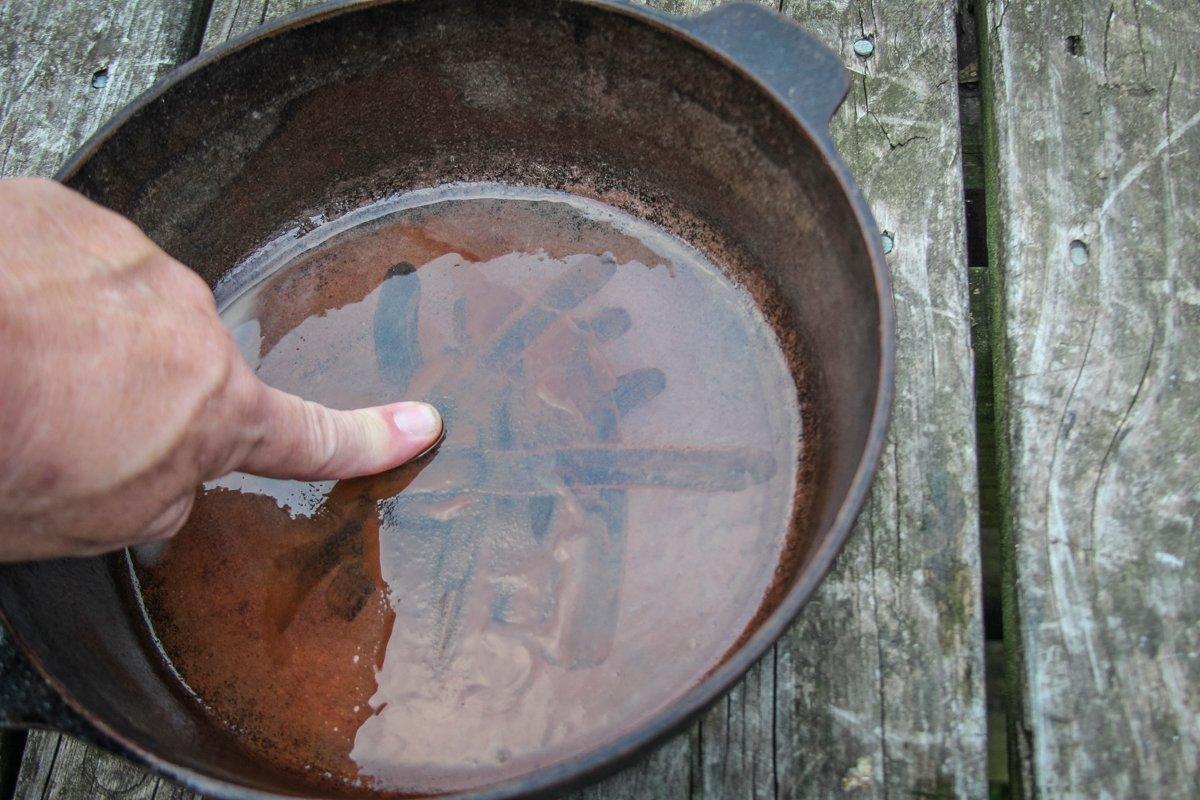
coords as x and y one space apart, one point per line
713 126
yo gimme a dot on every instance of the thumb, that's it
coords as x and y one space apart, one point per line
303 440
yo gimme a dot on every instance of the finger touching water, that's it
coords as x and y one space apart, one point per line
303 440
121 389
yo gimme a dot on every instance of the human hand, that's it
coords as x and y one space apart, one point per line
121 390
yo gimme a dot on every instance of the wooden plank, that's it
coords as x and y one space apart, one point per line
1095 140
58 766
230 18
67 68
879 684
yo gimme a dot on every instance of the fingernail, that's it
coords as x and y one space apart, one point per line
417 419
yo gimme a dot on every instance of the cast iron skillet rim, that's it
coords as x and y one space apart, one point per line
674 716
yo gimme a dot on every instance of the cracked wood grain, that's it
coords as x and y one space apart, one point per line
51 95
1096 137
879 683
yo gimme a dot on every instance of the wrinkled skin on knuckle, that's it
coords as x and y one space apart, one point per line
168 522
323 436
229 424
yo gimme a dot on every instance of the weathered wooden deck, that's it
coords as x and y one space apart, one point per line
1072 438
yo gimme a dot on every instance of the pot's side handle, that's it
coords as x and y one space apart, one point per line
806 74
26 701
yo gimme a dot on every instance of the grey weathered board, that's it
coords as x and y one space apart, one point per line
885 668
877 690
1096 140
68 67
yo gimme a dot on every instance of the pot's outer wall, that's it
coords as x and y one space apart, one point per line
322 118
75 617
